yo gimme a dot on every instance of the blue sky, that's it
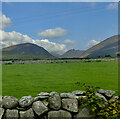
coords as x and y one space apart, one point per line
80 25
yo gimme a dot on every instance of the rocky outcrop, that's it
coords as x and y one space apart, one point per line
52 105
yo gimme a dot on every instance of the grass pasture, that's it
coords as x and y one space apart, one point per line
30 79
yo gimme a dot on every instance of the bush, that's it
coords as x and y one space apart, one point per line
97 105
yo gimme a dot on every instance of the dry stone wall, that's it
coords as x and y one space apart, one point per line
51 105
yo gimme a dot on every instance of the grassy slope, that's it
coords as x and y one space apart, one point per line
30 79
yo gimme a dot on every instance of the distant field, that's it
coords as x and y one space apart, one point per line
31 79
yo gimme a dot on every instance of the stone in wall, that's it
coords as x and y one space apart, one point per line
79 92
55 105
70 105
101 96
84 113
1 112
28 113
54 101
106 93
26 101
61 114
39 108
43 95
0 101
114 98
9 102
12 113
67 95
36 99
46 103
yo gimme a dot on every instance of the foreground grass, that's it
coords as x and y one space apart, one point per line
31 79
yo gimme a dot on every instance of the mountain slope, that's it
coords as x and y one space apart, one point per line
25 51
72 53
106 47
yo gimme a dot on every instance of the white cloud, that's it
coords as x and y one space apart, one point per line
112 6
53 33
68 41
4 21
13 38
92 43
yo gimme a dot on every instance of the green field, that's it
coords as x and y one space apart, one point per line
31 79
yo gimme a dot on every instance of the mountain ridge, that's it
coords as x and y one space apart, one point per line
25 51
72 53
107 47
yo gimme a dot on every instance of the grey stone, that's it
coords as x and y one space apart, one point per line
36 99
45 103
100 96
101 91
84 113
70 105
59 114
54 101
26 101
43 94
1 112
108 93
9 102
0 101
67 95
29 113
39 108
43 97
40 98
79 92
12 113
114 98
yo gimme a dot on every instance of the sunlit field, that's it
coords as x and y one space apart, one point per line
25 79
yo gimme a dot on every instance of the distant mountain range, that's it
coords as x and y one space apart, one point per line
106 47
72 53
25 51
32 51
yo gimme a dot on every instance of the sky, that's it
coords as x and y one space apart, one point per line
58 26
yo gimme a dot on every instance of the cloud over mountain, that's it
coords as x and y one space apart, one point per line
13 38
4 21
69 41
92 43
53 33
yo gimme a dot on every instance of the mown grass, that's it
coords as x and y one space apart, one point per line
31 79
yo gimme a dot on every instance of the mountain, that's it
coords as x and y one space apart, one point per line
55 54
106 47
25 51
72 53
